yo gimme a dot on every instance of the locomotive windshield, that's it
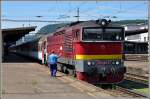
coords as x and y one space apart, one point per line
99 34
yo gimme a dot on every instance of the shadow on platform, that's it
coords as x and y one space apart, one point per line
133 85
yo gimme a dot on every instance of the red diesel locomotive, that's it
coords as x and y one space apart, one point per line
91 50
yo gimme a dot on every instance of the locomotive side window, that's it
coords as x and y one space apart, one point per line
99 34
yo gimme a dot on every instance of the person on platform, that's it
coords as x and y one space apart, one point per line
52 63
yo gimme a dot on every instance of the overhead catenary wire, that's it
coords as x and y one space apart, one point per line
14 20
83 13
89 10
72 9
117 11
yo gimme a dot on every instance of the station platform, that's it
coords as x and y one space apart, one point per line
30 80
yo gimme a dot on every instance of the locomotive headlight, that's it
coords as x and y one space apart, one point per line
89 63
113 62
93 63
117 62
103 23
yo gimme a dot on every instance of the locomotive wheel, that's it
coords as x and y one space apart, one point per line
65 70
62 68
72 72
59 67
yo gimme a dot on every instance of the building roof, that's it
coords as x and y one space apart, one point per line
13 34
136 31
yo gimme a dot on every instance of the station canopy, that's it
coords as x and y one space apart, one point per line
13 34
136 31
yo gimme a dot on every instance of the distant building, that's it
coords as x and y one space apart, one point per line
139 37
136 44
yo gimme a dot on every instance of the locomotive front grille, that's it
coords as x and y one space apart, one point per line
104 66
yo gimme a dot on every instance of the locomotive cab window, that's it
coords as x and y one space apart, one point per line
113 34
92 34
99 34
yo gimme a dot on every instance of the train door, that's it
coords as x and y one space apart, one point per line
42 48
45 52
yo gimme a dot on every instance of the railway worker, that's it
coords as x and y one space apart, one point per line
52 63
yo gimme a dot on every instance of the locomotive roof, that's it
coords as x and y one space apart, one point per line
51 28
93 23
79 24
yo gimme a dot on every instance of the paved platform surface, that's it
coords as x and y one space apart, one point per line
29 80
25 79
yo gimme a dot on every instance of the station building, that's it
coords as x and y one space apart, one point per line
137 43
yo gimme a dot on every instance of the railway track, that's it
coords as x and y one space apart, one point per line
137 78
120 91
130 92
130 86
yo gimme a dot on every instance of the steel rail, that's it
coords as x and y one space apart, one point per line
137 78
130 92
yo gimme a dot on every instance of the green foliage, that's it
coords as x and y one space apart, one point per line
51 28
144 90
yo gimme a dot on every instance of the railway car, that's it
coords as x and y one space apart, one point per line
29 48
91 50
42 49
36 48
32 49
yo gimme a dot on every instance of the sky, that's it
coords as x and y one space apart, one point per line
67 10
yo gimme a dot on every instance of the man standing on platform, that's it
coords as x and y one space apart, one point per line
52 63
